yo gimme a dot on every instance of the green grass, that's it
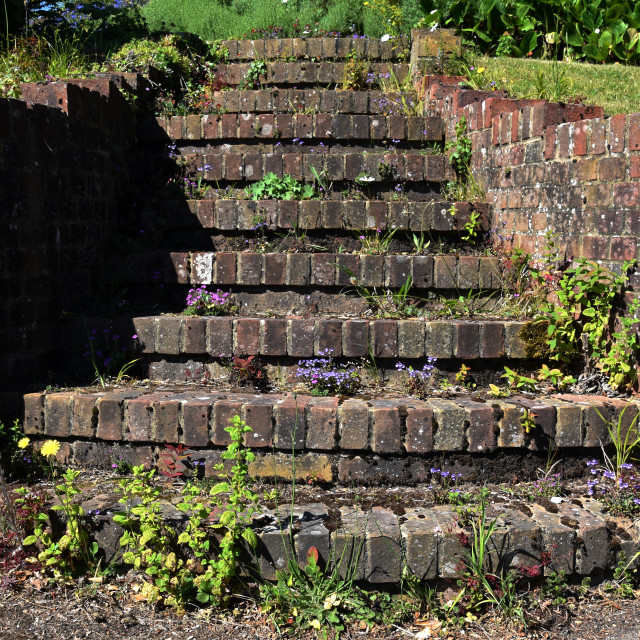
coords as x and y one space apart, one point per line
615 87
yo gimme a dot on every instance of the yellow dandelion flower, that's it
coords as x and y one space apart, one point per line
315 624
50 448
23 443
480 70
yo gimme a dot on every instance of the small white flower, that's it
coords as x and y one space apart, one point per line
597 30
555 500
434 27
385 37
434 11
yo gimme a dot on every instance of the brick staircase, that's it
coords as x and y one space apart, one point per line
299 300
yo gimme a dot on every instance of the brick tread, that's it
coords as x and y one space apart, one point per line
320 48
319 126
304 73
444 272
299 337
324 215
197 418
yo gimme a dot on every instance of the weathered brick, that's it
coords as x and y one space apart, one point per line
110 417
85 416
223 412
58 411
467 339
195 335
169 335
384 557
195 422
353 417
355 338
419 426
322 423
328 338
449 419
290 423
386 426
220 337
384 334
439 339
300 338
273 336
166 421
411 334
258 414
247 336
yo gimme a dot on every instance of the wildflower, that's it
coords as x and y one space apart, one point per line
385 37
23 443
50 448
331 601
316 623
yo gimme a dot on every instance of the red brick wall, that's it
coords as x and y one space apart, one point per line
552 167
61 170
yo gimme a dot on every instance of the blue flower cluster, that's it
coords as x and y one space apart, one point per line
202 302
621 493
325 376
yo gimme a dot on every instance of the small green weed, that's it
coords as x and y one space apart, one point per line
272 187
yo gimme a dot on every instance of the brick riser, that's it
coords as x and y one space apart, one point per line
303 74
313 215
378 546
324 271
325 48
283 127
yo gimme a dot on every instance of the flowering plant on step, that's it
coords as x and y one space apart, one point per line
324 376
201 302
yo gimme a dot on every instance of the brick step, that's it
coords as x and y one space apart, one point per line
299 337
432 216
379 544
405 430
309 73
216 167
319 270
325 48
283 127
305 101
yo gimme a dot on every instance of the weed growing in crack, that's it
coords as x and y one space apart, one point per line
201 302
325 377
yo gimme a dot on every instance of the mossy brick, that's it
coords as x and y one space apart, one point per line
85 415
328 338
439 339
195 335
249 268
298 269
513 343
34 416
258 414
384 338
384 553
247 336
323 269
322 424
411 335
419 428
58 412
355 338
284 124
450 424
353 423
220 337
300 337
145 329
511 431
195 421
223 411
445 272
312 467
372 270
290 423
386 426
348 543
273 337
420 543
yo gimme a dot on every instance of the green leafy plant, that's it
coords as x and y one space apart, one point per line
272 187
624 578
109 359
527 420
257 69
73 552
517 381
555 377
461 150
625 440
375 242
